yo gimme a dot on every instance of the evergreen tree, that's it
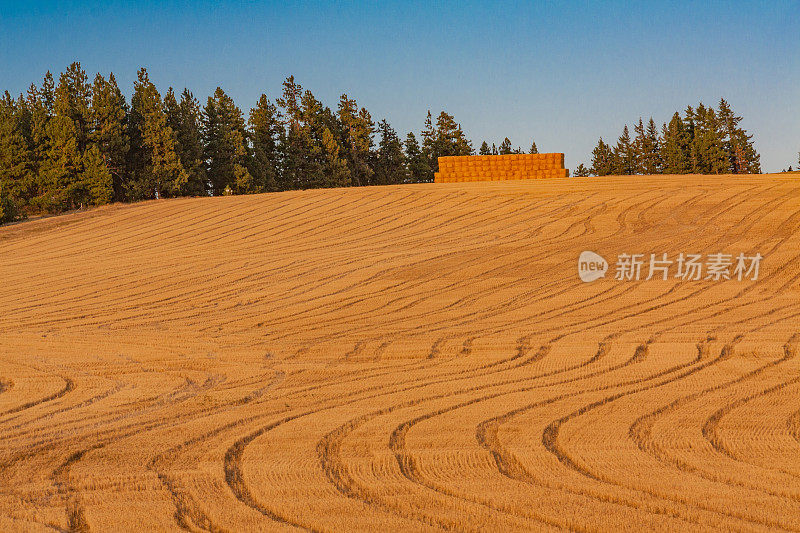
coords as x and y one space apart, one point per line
625 160
40 105
335 170
692 161
356 130
581 171
653 162
429 147
639 147
96 186
647 146
390 165
8 208
534 150
185 119
109 114
450 138
154 164
485 150
48 92
226 150
416 162
505 147
301 155
67 133
72 100
16 172
736 143
603 163
674 151
266 133
325 165
62 168
312 128
446 139
295 148
494 149
706 150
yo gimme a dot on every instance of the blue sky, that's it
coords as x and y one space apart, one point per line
562 73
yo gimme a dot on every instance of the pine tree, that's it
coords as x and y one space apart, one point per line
108 115
303 153
647 148
327 164
603 163
494 149
674 151
534 150
62 168
313 125
736 143
624 154
335 170
72 100
639 147
185 119
706 150
446 139
505 147
416 162
746 159
226 150
450 138
653 162
357 130
265 133
16 172
581 171
96 183
154 164
40 104
429 147
390 164
290 100
692 161
485 150
8 208
48 92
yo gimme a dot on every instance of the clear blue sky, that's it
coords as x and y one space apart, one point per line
562 73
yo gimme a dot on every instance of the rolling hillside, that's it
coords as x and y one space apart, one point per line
415 357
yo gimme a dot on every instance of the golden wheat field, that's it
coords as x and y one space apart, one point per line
414 357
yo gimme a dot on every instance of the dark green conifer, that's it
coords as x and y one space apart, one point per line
226 148
416 162
603 163
390 164
155 167
109 130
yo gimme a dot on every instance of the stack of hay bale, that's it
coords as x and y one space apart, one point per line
500 167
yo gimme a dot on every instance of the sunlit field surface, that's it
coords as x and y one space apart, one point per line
414 357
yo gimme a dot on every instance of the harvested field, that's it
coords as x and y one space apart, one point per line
412 357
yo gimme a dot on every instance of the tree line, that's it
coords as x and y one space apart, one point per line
702 141
76 143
